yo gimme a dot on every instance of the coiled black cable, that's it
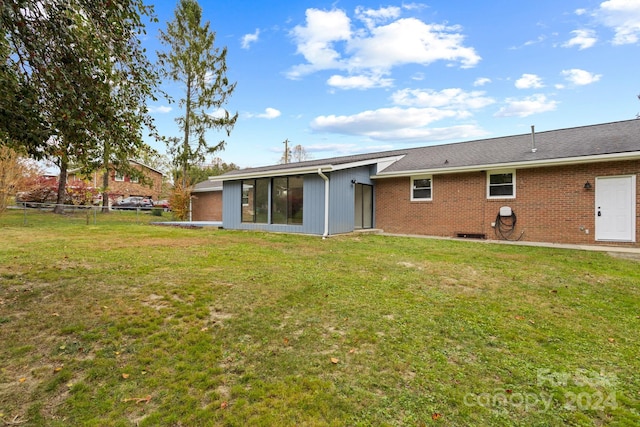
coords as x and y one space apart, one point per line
506 226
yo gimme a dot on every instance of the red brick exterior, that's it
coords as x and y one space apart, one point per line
551 204
206 206
126 188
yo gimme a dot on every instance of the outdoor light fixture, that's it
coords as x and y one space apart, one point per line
587 185
353 181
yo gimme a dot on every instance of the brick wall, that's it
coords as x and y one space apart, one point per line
551 204
127 188
207 206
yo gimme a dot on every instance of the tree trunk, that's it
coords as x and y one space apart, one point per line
62 185
105 192
185 142
105 178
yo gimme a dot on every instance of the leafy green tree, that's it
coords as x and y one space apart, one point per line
199 173
79 66
192 60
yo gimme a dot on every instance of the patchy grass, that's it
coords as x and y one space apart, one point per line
130 324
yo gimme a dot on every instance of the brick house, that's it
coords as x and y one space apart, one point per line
575 185
206 201
121 186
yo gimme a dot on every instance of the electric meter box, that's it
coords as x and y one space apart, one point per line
505 211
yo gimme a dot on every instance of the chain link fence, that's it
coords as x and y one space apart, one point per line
32 213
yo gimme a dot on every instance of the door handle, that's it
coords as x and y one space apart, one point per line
599 213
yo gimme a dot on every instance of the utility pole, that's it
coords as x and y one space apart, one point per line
286 150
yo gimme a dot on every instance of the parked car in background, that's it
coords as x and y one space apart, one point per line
134 202
164 204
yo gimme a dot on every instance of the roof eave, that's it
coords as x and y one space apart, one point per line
276 172
385 161
206 190
514 165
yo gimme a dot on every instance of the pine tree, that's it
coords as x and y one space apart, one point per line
201 68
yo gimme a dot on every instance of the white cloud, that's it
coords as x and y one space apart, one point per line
247 39
583 39
330 41
371 17
388 124
527 106
269 113
410 41
334 148
358 82
163 109
580 77
220 113
539 39
580 12
383 119
316 40
453 98
623 16
411 117
529 81
481 81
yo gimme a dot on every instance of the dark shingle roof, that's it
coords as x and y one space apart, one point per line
609 138
585 141
208 185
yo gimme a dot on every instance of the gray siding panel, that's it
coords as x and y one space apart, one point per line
342 199
231 204
341 204
313 204
313 215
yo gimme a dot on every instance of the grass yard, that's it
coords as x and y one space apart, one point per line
123 323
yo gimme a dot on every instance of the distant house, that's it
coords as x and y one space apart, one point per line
576 185
121 186
206 201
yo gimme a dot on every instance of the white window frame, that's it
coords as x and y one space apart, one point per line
421 199
134 180
119 177
501 172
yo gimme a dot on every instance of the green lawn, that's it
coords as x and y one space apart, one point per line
122 323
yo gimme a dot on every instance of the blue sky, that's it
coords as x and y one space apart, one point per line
346 77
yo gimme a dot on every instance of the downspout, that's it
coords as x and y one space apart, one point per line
326 203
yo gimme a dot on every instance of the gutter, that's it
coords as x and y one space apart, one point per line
274 172
326 203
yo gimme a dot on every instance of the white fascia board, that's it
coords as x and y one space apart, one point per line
277 172
566 161
386 161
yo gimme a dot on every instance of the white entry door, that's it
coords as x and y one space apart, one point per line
616 208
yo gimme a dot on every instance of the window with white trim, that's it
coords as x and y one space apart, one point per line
421 188
501 184
119 176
